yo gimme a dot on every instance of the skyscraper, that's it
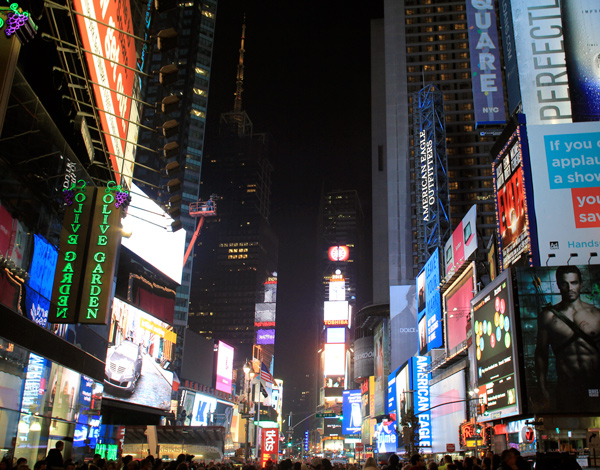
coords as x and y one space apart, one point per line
237 251
183 102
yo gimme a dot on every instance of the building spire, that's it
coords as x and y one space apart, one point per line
239 83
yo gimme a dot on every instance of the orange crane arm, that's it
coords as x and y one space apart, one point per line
193 240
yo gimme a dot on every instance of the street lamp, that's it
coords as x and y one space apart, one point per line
249 375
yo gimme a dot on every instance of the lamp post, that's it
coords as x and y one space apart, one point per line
249 375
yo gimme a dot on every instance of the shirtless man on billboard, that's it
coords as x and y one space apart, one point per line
572 329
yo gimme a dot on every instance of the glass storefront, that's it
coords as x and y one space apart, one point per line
42 402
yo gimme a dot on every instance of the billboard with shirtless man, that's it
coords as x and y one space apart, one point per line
560 323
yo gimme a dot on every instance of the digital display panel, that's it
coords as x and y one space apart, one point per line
449 408
511 207
421 293
423 335
335 335
335 359
264 315
352 419
495 348
559 309
419 381
146 221
265 336
335 312
462 243
138 359
404 398
39 284
458 309
385 433
566 158
224 367
433 302
337 287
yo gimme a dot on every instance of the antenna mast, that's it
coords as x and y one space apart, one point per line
239 83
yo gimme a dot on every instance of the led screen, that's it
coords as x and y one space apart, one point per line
433 303
265 336
139 357
511 213
147 222
224 367
335 355
421 293
335 335
264 315
337 288
332 427
565 181
559 307
403 324
403 392
339 253
419 381
336 313
352 419
458 309
496 352
449 405
39 285
462 243
387 440
423 335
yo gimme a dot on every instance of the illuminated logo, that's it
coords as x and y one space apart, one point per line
339 253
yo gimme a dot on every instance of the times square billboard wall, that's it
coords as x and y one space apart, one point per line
559 314
512 189
566 181
557 46
462 243
488 93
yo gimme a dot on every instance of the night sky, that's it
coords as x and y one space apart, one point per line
307 82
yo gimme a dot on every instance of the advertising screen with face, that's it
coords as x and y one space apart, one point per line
139 357
496 352
560 324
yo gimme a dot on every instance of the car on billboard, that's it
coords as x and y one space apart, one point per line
123 366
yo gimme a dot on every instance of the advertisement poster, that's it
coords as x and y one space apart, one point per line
385 433
270 445
539 41
566 181
419 381
560 324
433 302
403 318
462 243
138 359
224 367
484 48
496 352
511 213
352 418
458 309
448 396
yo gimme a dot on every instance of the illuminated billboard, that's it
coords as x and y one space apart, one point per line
488 93
339 253
138 359
387 439
457 302
565 181
404 397
404 336
335 312
335 335
496 349
421 294
270 445
265 336
337 286
511 204
41 277
449 410
428 282
419 382
224 367
559 311
352 419
541 62
106 31
462 243
335 359
264 315
147 222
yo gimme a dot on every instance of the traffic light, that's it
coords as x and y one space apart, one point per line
478 430
341 417
289 443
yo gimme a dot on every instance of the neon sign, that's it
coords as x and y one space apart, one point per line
15 19
104 241
71 259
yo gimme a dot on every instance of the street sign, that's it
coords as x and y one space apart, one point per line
326 415
450 447
359 446
593 438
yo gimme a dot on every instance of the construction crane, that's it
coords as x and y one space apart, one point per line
200 209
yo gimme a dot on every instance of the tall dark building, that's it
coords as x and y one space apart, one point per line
181 99
236 253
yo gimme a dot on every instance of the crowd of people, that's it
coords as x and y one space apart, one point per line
509 460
